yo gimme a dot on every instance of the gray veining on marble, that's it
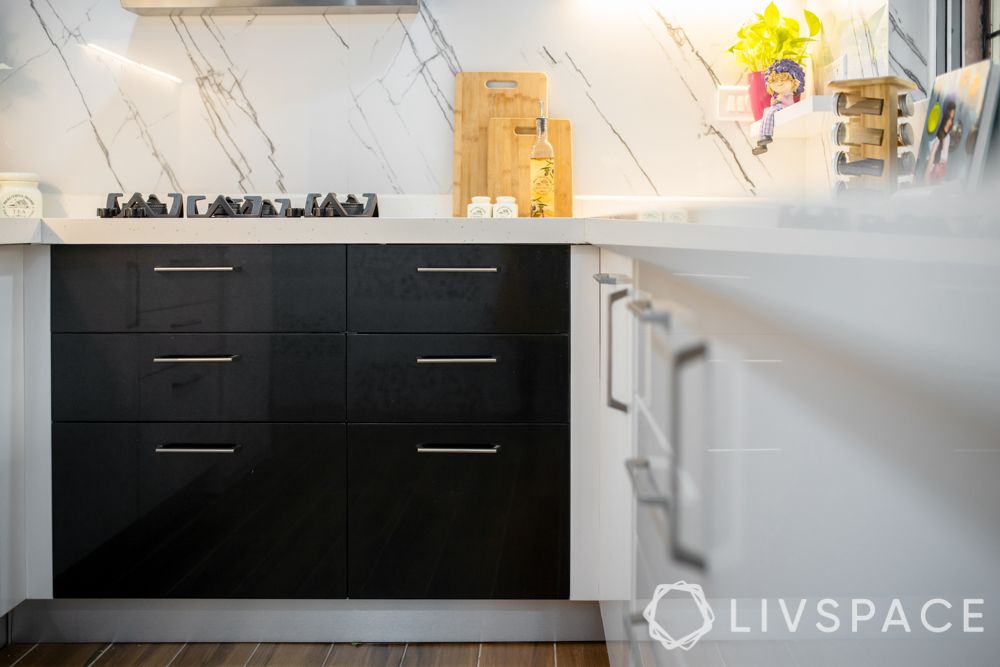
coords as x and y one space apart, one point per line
365 102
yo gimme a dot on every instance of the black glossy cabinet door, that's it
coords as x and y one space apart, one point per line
458 289
199 510
94 377
198 377
200 288
458 512
457 378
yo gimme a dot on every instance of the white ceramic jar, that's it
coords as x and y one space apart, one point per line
480 208
19 195
506 207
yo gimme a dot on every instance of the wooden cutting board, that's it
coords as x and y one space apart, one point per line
480 96
508 167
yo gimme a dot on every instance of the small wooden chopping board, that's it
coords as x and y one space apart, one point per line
480 96
508 168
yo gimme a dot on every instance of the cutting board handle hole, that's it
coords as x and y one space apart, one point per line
524 130
501 83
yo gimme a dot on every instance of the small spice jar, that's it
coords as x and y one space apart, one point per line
480 208
19 195
506 207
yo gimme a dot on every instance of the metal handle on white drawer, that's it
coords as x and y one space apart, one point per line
196 360
434 449
195 269
612 279
682 358
456 360
458 269
195 449
655 498
612 401
644 311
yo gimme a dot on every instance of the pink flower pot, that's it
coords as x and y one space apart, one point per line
759 97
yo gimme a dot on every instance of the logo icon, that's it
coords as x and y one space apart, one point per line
657 632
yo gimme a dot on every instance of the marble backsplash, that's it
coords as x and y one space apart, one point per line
277 104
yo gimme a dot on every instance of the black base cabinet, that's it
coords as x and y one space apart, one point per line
458 511
311 421
198 377
199 510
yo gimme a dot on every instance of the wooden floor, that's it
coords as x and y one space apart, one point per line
305 655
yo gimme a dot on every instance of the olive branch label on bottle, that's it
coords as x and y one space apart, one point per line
542 173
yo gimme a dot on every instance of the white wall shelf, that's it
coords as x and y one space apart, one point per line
803 119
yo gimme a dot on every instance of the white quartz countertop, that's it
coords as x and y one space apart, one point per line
921 231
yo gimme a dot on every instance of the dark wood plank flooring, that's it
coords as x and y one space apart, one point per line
587 654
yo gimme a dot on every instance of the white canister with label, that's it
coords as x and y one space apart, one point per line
19 195
506 207
480 208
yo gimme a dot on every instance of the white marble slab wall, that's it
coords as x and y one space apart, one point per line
363 103
909 43
855 41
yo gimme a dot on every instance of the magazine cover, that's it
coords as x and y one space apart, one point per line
950 137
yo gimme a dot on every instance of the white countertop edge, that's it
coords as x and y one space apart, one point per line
20 231
617 234
306 231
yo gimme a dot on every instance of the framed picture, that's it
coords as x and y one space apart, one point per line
955 137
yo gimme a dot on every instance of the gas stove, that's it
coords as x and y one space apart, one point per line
247 206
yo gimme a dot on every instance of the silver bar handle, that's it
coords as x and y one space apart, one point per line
196 360
613 402
458 269
195 269
682 358
456 360
644 311
194 449
612 279
435 449
655 498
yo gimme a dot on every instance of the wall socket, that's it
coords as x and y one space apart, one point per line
733 103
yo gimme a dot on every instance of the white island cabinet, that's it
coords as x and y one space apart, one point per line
776 457
13 587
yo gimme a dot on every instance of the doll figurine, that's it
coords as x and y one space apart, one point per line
784 79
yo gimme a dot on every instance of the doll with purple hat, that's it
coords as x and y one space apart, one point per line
785 79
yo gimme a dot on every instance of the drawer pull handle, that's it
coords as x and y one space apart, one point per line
198 449
435 449
613 402
196 360
195 269
456 360
643 309
683 357
650 498
458 269
612 279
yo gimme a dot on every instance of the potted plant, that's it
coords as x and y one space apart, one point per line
772 37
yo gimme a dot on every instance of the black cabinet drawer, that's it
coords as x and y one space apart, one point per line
458 289
431 516
199 510
198 377
215 288
465 378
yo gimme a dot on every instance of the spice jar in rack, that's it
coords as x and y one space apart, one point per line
19 195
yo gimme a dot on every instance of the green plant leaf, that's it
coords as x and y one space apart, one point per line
815 25
791 25
771 15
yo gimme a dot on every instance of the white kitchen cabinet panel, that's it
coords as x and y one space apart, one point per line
13 578
615 426
820 476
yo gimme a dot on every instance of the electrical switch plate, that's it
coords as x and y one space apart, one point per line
733 103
